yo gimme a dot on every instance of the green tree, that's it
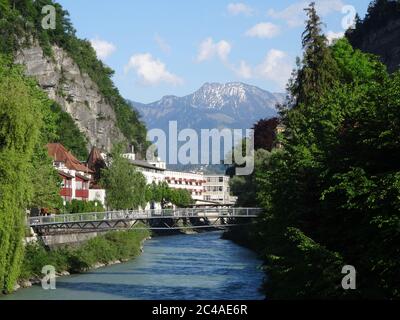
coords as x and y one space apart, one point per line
163 194
316 71
246 187
46 182
20 124
78 206
68 134
160 193
181 198
331 194
126 187
45 179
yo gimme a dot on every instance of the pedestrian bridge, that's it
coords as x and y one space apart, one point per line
191 218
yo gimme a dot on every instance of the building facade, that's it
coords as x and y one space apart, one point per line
216 189
80 181
192 182
152 171
75 176
211 189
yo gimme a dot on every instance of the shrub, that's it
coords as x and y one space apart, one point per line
115 245
78 206
102 250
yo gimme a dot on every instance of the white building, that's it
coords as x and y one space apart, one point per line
216 189
98 195
202 188
193 182
152 171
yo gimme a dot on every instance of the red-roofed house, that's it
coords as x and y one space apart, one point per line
76 176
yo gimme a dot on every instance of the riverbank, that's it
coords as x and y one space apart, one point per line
245 236
108 249
178 267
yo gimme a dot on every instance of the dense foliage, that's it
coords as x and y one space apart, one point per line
246 187
25 123
126 187
29 120
115 245
163 194
265 134
78 206
331 194
68 134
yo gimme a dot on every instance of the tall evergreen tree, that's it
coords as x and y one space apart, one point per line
317 70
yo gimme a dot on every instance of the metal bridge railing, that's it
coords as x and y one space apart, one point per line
143 215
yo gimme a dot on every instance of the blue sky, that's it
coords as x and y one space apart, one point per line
159 47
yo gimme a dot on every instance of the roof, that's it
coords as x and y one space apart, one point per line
95 159
145 164
65 174
59 153
96 163
95 186
82 177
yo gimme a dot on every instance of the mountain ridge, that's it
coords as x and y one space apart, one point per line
232 105
205 85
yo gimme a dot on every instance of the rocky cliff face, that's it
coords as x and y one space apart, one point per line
77 94
378 32
383 41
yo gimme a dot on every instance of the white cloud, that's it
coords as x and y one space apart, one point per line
244 70
163 45
331 36
276 67
263 30
294 15
103 48
209 49
239 8
151 71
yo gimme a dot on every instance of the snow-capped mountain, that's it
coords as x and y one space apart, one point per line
232 105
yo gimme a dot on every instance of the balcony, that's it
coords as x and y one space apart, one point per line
84 193
66 192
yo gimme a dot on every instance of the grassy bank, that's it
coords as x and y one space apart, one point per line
112 246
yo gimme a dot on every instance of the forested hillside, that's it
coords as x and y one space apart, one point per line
21 29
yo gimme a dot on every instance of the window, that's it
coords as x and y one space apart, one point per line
78 185
221 179
81 185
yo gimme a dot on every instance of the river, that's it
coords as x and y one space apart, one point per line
180 267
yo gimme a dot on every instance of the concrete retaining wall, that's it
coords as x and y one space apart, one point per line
68 239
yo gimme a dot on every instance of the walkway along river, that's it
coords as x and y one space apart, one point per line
179 267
